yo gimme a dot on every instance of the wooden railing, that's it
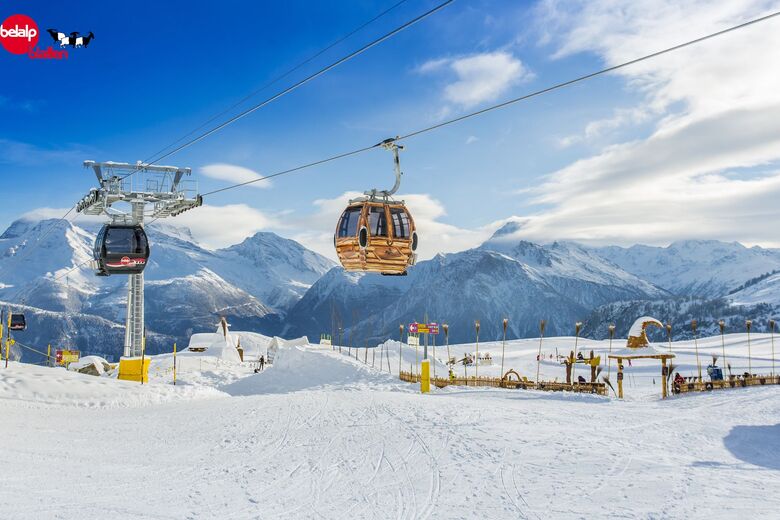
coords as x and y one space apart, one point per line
495 382
733 381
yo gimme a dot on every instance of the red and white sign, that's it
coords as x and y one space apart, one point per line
126 261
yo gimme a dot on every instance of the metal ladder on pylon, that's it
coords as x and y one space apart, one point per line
134 329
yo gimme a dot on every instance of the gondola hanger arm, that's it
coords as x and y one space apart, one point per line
389 144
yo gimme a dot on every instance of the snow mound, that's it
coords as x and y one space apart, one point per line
300 368
31 386
97 363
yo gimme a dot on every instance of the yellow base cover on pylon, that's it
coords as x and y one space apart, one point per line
130 369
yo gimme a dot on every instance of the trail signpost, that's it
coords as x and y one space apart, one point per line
64 357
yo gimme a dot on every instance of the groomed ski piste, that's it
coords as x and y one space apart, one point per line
320 434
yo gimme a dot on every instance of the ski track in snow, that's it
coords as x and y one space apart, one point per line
321 435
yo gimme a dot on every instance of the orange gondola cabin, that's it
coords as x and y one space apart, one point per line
375 233
376 236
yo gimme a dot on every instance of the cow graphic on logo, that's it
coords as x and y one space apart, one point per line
74 39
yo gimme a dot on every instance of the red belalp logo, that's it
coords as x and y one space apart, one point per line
19 33
126 261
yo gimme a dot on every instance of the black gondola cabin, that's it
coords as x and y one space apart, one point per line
18 322
121 249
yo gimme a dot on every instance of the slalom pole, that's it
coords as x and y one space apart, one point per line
542 325
400 341
772 332
577 327
447 340
434 357
48 356
669 335
748 325
694 325
503 348
476 361
722 325
174 364
611 329
143 353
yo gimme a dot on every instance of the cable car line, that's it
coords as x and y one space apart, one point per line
281 77
300 83
506 103
289 89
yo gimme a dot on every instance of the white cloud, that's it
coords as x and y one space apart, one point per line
478 78
717 121
234 174
220 226
472 139
596 130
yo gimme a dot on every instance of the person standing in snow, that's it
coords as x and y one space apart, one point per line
262 362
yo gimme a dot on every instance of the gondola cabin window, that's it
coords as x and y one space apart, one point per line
400 223
377 221
125 240
348 224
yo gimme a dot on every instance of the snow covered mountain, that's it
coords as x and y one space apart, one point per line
704 268
527 282
187 286
274 285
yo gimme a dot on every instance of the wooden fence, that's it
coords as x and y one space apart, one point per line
496 382
733 381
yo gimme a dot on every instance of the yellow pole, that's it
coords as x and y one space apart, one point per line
722 325
1 338
620 377
174 364
48 356
669 335
8 339
664 377
476 361
425 380
694 324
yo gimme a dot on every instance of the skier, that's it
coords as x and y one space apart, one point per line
262 362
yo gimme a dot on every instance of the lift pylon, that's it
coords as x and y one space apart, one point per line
148 191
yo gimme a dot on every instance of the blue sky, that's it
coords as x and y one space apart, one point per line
155 70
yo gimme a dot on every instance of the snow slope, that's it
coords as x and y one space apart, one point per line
765 291
321 435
